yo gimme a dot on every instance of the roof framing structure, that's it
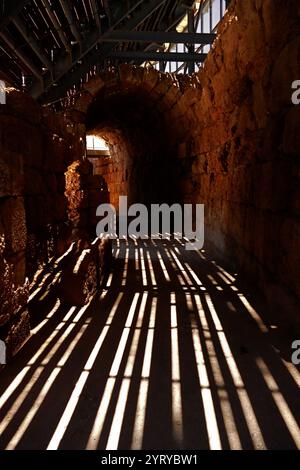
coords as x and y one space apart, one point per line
50 46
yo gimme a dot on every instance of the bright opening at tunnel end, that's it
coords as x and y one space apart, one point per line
160 221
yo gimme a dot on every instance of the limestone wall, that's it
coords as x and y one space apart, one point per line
233 141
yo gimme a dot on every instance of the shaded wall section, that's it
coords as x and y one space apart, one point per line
246 147
134 109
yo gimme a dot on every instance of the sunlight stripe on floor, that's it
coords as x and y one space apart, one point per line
74 398
175 375
14 441
208 405
19 378
163 267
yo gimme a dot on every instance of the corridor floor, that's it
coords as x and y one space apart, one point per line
173 353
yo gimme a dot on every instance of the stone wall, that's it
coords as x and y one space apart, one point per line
113 168
36 148
245 147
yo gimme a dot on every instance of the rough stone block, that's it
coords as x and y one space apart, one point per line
291 140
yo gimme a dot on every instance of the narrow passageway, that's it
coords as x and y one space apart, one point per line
173 353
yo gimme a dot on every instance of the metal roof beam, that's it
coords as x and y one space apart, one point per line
172 37
191 48
96 14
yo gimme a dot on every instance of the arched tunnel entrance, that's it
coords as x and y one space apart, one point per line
147 344
142 164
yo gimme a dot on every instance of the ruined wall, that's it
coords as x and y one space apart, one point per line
234 141
14 317
85 192
36 147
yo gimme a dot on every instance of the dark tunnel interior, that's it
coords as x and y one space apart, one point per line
173 330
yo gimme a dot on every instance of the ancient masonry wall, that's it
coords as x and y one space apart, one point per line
36 148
